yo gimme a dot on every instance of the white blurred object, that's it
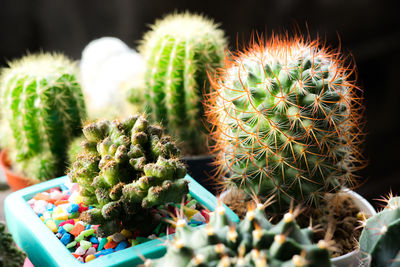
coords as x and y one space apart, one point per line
108 67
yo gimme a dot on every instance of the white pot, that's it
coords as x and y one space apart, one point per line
354 258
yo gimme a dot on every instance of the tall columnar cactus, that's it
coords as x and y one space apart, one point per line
10 255
380 237
254 242
125 168
43 109
287 119
179 50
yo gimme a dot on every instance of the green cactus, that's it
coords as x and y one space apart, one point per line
380 235
125 168
43 109
253 242
287 121
179 50
10 255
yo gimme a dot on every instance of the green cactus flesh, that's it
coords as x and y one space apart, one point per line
179 50
287 122
10 255
43 108
380 236
253 242
125 168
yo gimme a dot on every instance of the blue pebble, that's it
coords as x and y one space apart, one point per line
196 222
94 240
40 215
121 245
61 230
107 251
65 239
73 208
87 227
50 207
90 207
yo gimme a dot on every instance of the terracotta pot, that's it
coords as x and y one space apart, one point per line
15 181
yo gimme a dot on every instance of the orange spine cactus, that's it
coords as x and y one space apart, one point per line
287 120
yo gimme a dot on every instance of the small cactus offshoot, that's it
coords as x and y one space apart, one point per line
179 50
253 242
287 116
10 255
380 237
42 111
125 168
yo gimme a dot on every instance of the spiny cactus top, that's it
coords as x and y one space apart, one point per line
254 242
43 109
10 255
286 115
380 237
179 50
125 168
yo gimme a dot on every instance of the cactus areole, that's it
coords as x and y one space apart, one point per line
287 118
43 109
179 50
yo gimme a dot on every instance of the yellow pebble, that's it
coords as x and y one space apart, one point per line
89 257
189 212
58 209
126 233
109 238
76 220
52 225
42 218
61 217
78 199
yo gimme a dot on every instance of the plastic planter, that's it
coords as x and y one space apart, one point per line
44 249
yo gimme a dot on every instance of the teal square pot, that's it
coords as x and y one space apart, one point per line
44 249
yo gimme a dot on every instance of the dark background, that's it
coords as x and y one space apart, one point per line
369 29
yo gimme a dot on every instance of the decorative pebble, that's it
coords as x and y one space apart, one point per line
121 245
117 237
66 238
80 251
103 241
78 228
71 245
89 258
52 225
85 244
90 251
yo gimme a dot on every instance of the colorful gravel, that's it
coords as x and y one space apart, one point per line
59 208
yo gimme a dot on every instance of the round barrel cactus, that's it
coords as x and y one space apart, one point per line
380 236
42 111
287 118
124 169
179 50
254 242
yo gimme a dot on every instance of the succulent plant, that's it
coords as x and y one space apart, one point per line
43 109
380 235
287 120
253 242
125 168
10 255
179 50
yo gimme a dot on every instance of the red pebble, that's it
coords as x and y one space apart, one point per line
95 246
110 244
82 208
78 228
205 215
170 230
65 197
75 255
70 221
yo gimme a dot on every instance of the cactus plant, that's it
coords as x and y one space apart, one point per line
179 50
10 255
125 168
287 119
43 109
380 235
254 242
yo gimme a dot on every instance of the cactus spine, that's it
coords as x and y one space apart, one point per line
380 235
287 117
254 242
125 168
179 50
43 107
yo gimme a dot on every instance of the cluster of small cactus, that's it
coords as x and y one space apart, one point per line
253 242
10 255
179 50
380 238
42 110
125 168
287 119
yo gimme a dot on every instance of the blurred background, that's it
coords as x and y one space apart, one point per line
369 29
